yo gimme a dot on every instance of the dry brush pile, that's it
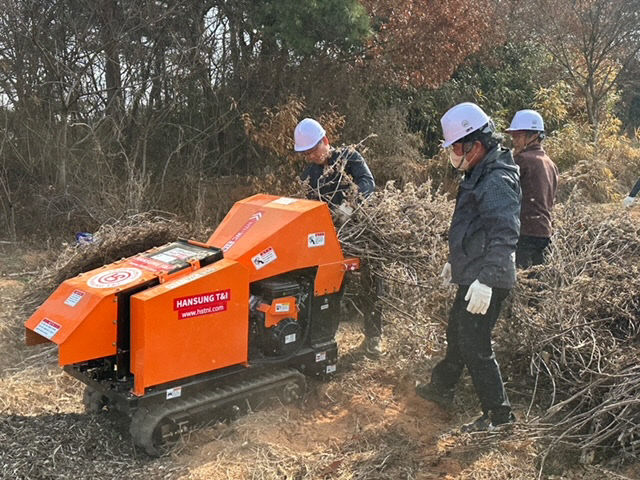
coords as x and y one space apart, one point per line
569 337
572 337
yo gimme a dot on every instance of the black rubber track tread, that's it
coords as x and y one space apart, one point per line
145 421
93 400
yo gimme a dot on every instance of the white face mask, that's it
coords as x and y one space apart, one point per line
456 161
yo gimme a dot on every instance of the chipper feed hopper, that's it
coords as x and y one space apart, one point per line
189 333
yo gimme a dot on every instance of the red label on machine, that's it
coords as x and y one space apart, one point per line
253 219
202 304
75 297
150 264
264 258
47 328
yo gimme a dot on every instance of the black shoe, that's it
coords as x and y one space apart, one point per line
480 424
428 391
502 421
487 423
372 347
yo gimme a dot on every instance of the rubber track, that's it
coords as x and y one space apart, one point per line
145 421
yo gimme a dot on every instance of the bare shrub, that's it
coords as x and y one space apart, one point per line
572 339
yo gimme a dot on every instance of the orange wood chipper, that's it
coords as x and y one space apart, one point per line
189 333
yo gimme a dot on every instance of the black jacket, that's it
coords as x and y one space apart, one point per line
486 223
330 181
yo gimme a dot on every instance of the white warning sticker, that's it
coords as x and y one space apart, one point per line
290 338
315 240
174 392
285 201
282 307
330 368
264 258
321 357
114 278
75 297
47 328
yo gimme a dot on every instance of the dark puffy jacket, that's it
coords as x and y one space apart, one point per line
486 223
330 180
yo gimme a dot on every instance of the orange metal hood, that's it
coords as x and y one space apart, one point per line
272 235
81 316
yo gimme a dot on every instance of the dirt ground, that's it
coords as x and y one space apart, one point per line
367 423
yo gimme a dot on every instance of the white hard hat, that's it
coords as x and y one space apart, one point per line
461 120
527 120
307 134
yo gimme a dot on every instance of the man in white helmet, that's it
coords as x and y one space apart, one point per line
482 242
327 164
539 182
327 181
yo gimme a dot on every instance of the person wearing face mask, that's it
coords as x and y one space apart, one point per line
482 241
327 182
539 182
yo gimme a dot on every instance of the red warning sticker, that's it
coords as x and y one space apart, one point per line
47 328
202 304
151 264
75 297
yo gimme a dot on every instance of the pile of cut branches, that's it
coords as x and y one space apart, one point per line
400 236
569 337
574 330
112 241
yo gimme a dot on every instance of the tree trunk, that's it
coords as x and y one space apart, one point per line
111 44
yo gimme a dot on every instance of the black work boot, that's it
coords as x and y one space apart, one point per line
372 347
501 419
429 391
480 424
489 422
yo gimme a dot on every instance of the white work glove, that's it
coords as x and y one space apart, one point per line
344 212
479 298
629 201
446 275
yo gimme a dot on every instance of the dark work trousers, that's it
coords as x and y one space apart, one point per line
469 345
373 289
531 250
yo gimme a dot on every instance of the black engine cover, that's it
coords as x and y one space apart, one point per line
283 338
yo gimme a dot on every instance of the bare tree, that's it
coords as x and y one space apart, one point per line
593 41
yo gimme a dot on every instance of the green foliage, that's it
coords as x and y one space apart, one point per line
303 26
502 81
